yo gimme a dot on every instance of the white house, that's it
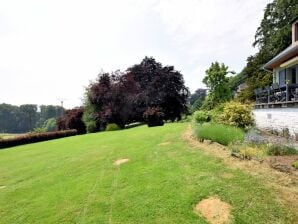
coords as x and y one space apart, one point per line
276 106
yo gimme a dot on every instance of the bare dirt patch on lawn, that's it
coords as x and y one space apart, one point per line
284 184
164 143
119 162
214 210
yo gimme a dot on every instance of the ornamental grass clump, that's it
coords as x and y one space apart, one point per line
249 151
220 133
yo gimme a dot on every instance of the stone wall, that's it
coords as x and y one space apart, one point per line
277 119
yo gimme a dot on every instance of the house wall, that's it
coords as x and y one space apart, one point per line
275 75
277 119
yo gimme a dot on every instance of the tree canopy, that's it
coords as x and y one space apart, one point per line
218 83
142 91
272 36
26 117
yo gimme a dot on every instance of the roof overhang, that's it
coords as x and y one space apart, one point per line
281 58
290 62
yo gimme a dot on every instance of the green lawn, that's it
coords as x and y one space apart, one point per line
74 180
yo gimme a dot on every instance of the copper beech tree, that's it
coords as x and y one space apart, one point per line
146 92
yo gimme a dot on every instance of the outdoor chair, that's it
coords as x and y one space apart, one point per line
279 95
294 93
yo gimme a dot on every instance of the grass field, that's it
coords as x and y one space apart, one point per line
74 180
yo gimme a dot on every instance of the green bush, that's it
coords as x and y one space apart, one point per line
154 116
91 126
50 125
236 114
112 127
201 116
281 150
186 118
37 131
220 133
216 113
249 151
295 164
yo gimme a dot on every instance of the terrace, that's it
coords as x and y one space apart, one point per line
277 96
284 68
283 92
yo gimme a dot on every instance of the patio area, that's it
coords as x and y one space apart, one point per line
277 96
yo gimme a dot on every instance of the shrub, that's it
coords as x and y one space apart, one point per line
216 113
72 120
154 116
237 114
186 118
295 164
201 116
31 138
220 133
91 126
249 151
37 131
112 127
281 150
50 125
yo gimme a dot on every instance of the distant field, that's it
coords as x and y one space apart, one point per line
5 136
75 180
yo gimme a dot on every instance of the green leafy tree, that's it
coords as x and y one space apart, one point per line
30 116
196 99
49 125
272 36
218 83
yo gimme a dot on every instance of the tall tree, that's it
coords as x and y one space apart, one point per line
145 90
218 83
159 87
30 114
196 99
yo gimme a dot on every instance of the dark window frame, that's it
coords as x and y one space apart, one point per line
296 31
282 77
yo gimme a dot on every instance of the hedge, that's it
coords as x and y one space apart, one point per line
32 138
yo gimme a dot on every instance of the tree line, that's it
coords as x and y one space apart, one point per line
25 118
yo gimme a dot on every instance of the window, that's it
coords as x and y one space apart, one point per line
282 77
294 75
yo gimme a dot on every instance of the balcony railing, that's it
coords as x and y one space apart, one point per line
277 94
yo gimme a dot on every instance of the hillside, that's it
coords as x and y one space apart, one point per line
76 180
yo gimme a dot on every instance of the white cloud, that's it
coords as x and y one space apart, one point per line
51 49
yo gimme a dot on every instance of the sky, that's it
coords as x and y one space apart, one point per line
51 50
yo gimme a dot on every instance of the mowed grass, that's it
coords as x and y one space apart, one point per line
74 180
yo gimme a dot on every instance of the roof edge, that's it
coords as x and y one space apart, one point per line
294 19
288 50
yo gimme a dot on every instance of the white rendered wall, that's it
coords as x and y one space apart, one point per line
277 119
